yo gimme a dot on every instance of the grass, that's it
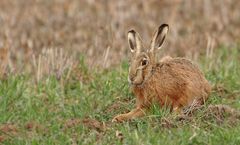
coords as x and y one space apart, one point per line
78 110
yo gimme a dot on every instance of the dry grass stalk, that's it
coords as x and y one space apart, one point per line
52 62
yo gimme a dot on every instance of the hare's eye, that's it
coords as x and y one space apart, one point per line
144 62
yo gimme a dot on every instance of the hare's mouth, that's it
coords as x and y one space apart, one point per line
135 82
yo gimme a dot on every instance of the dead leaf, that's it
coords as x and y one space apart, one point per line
72 123
2 138
94 124
119 135
33 126
29 126
87 122
8 128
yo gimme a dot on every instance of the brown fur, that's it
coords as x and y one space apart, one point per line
175 82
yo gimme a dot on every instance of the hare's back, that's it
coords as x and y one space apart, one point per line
180 66
182 71
182 80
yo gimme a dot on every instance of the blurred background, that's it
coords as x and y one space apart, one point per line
43 36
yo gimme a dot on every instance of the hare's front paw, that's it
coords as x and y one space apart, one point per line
119 118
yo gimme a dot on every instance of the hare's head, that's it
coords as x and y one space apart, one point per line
143 60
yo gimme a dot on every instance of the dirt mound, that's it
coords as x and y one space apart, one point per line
86 122
222 113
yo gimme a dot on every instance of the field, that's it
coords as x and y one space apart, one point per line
64 68
69 111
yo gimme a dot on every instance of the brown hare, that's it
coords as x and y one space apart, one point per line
175 82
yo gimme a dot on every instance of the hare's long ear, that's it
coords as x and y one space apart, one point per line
159 37
134 41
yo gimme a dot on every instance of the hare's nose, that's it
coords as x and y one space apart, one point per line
131 79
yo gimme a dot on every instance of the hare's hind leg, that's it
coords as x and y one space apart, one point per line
138 112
